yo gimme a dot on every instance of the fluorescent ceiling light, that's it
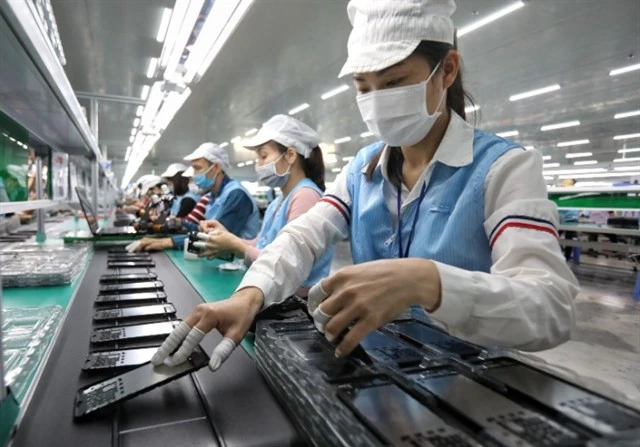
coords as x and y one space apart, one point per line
579 155
624 160
170 107
298 109
548 178
551 165
490 18
625 168
145 92
221 22
618 116
572 143
347 159
139 110
225 144
342 140
627 69
164 25
336 170
574 171
153 64
131 138
177 16
536 92
585 162
235 139
509 133
330 159
529 148
602 175
182 37
250 162
626 151
128 154
134 131
471 109
627 136
250 132
366 134
546 157
153 104
560 125
241 165
335 91
136 122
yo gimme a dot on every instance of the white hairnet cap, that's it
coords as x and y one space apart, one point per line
211 152
173 169
287 131
149 182
386 32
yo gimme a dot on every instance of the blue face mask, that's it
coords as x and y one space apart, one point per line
201 180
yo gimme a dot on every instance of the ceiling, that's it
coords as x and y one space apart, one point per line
285 53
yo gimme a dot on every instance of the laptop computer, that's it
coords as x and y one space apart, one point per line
92 219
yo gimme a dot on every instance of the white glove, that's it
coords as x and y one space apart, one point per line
189 338
316 296
132 246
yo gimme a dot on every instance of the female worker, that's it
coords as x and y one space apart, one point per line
440 215
184 200
288 158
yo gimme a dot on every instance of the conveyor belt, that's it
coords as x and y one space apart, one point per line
233 407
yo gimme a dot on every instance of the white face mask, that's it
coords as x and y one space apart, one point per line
194 189
268 174
399 116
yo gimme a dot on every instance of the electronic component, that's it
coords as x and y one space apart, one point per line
139 380
133 332
131 297
118 359
128 277
131 287
134 312
130 264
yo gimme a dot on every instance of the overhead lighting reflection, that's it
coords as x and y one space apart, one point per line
560 125
299 109
622 70
334 92
618 116
572 143
342 140
509 133
490 18
536 92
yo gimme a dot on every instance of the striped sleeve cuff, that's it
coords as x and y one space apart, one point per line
339 205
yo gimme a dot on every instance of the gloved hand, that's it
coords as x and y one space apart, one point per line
232 317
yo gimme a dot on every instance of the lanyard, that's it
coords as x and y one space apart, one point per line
405 253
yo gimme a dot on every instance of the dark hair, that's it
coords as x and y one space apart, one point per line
180 184
313 166
433 52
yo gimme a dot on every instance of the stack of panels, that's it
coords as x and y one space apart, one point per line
26 333
411 384
32 265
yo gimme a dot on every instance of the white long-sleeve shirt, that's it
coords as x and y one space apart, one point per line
525 302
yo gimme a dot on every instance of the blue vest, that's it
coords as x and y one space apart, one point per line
275 218
219 203
450 227
178 201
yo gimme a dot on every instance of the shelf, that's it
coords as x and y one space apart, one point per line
35 89
16 207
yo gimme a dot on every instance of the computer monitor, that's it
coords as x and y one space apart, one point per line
87 208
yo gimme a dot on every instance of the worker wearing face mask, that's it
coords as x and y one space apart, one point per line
184 199
441 216
288 158
229 202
